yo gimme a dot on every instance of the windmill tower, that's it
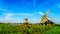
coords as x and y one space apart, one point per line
45 19
25 20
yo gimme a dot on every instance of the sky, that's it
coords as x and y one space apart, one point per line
15 11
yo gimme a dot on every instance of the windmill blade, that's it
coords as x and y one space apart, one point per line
48 18
42 16
41 13
47 12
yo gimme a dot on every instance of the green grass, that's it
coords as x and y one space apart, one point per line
29 29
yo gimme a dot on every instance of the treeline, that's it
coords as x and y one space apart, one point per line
28 29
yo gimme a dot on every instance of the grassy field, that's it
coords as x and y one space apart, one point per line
29 29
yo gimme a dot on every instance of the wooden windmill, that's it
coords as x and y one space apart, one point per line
45 19
26 21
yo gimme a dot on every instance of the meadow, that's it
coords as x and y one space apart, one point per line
6 28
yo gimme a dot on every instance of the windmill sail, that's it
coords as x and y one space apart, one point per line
41 13
47 12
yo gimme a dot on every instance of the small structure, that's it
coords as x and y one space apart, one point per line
26 21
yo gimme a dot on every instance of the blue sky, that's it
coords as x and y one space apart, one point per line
16 10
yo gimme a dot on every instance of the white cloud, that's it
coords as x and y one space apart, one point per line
26 14
8 16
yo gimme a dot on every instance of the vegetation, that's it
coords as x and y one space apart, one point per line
29 29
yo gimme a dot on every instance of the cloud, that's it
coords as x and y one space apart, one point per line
26 14
8 16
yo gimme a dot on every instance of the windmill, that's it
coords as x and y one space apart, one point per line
45 19
26 21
